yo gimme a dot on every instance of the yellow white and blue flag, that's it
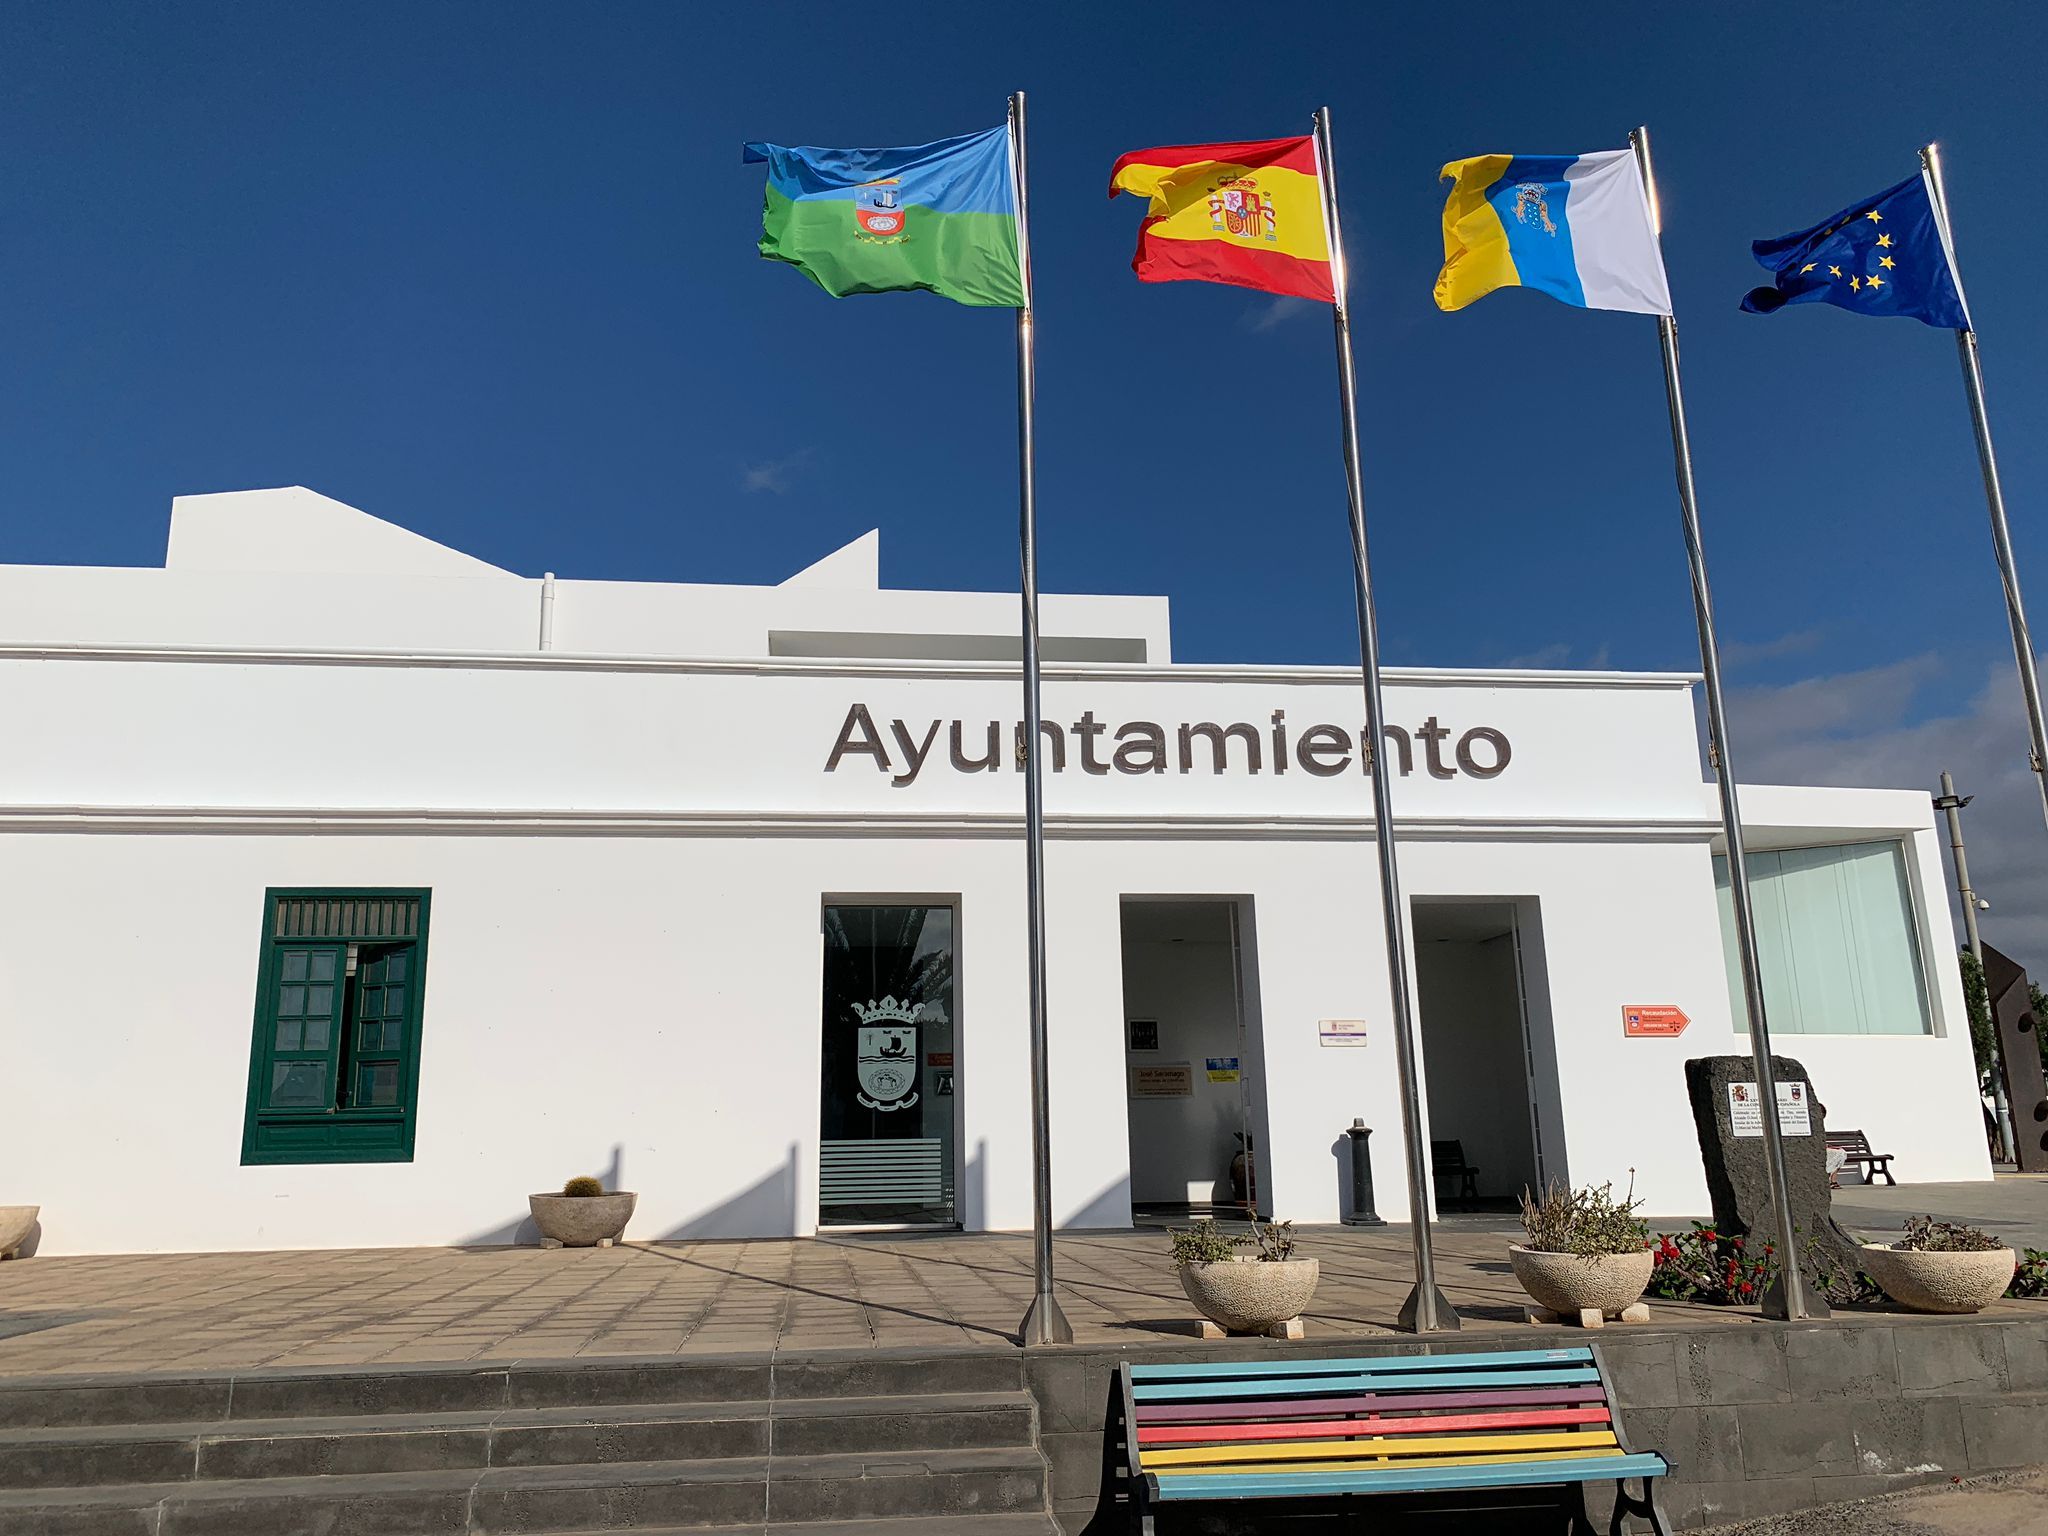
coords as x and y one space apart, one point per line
1577 227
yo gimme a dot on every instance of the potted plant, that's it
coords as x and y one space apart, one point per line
1587 1257
583 1215
16 1223
1258 1292
1941 1266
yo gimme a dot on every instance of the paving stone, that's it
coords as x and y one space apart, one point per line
1966 1357
1841 1360
1733 1366
2006 1432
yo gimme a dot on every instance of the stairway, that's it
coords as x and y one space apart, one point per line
825 1445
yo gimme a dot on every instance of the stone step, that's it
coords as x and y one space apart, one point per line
211 1397
88 1456
882 1486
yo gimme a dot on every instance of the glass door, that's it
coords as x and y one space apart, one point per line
888 1126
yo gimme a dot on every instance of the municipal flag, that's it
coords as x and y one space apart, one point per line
940 217
1882 256
1247 214
1577 227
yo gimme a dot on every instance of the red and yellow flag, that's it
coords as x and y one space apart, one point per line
1248 214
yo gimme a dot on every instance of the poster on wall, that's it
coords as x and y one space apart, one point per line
1222 1069
1144 1034
1341 1031
1168 1080
1746 1110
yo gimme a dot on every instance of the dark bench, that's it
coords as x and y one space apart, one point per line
1877 1165
1447 1161
1521 1428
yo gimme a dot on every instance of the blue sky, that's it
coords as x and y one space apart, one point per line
488 271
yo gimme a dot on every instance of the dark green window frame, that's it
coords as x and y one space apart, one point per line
334 1065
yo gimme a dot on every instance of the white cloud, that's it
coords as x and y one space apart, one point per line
773 475
1740 653
1897 727
1559 654
1275 312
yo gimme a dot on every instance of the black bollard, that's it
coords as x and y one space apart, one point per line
1362 1214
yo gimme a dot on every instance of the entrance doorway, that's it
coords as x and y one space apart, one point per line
1190 1056
1488 1053
888 1126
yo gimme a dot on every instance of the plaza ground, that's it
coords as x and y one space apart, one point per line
236 1311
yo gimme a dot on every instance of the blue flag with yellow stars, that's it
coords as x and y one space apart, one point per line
1882 256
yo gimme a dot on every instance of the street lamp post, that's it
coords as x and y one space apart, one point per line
1951 804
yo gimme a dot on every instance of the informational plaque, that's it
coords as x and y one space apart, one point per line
1341 1031
1746 1110
1222 1069
1167 1080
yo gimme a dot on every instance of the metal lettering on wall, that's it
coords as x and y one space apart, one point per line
904 750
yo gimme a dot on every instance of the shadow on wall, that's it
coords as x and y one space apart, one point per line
765 1208
520 1232
972 1210
1111 1210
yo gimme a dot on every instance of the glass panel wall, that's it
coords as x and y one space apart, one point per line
1836 938
888 1126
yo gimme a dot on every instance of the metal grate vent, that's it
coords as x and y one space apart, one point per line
347 917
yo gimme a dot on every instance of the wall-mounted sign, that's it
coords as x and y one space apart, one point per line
1652 1021
938 1058
945 1085
1746 1109
1169 1080
1341 1031
1222 1069
1144 1034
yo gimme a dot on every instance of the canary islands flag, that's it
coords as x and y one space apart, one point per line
1577 227
1882 256
941 217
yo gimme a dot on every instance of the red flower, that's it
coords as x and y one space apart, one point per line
1747 1288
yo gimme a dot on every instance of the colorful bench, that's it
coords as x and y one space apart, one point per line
1514 1428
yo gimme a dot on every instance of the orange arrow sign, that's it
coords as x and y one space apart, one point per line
1653 1020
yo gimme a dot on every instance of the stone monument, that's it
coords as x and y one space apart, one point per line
1727 1114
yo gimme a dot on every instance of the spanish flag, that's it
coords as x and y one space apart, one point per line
1247 214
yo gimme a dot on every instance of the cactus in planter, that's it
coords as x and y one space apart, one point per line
583 1187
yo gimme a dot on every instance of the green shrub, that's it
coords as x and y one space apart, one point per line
1588 1222
582 1188
2030 1280
1207 1243
1926 1235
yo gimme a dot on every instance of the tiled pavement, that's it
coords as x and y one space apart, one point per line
349 1307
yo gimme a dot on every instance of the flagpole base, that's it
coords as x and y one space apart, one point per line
1447 1319
1045 1323
1777 1306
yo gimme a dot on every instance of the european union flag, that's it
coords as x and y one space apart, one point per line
1882 256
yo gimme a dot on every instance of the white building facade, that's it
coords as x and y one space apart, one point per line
358 888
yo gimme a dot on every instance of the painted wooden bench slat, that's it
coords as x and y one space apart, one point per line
1312 1407
1180 1434
1176 1476
1380 1448
1390 1424
1423 1480
1402 1365
1183 1391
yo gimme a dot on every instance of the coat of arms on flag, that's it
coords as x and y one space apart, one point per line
878 211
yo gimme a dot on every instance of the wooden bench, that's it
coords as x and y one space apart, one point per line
1447 1161
1877 1165
1509 1429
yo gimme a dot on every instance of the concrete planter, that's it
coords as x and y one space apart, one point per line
1565 1283
16 1222
581 1221
1940 1282
1250 1295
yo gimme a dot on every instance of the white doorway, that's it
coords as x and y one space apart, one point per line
1191 1063
1489 1056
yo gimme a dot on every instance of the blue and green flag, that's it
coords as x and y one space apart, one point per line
941 217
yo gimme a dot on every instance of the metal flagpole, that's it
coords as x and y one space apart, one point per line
1788 1296
1427 1309
1044 1322
1987 461
1951 803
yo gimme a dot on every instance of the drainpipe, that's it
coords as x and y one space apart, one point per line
547 610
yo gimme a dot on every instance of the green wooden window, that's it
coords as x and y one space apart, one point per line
335 1067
